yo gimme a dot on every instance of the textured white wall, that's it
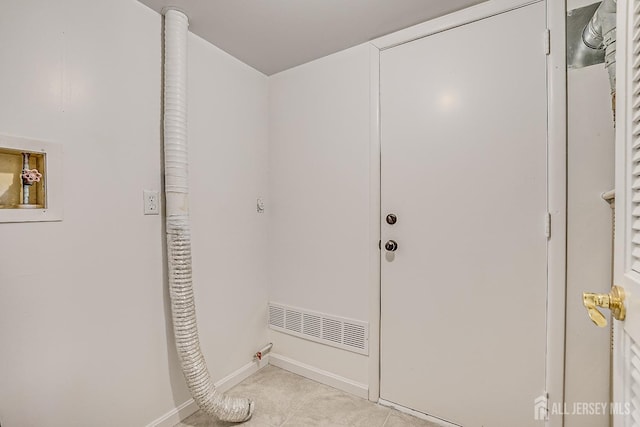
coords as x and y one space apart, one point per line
590 173
319 197
84 318
228 171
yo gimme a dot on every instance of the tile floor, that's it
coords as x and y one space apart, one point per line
286 399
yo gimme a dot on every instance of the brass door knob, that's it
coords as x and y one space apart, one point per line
614 301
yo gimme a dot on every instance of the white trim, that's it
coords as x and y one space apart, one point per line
421 415
176 415
452 20
622 275
557 205
189 407
236 377
623 141
374 225
319 375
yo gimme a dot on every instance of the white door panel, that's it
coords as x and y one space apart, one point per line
626 355
464 157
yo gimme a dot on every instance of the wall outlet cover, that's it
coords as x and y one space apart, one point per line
151 202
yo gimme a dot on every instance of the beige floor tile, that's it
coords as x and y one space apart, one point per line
286 399
276 392
200 419
333 408
398 419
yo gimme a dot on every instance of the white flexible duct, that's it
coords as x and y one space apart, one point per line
178 231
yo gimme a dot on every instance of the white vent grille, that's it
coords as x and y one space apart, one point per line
332 330
347 334
353 335
635 139
312 325
293 321
276 316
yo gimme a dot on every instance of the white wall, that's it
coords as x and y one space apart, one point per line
83 302
84 319
319 199
318 181
228 172
590 173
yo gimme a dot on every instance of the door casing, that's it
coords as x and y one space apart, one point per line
557 181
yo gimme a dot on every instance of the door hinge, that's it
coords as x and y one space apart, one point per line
547 42
547 225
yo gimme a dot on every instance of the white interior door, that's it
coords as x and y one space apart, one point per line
626 357
464 169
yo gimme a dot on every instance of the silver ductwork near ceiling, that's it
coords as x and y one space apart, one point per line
591 39
600 33
183 312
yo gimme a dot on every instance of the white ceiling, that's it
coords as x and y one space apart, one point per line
274 35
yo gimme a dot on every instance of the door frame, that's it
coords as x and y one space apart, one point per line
556 183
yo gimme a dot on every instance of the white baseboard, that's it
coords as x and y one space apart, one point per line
421 415
175 415
181 412
235 378
324 377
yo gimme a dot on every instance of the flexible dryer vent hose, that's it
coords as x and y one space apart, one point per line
185 329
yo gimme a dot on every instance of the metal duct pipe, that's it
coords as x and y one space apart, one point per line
600 33
183 312
25 183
